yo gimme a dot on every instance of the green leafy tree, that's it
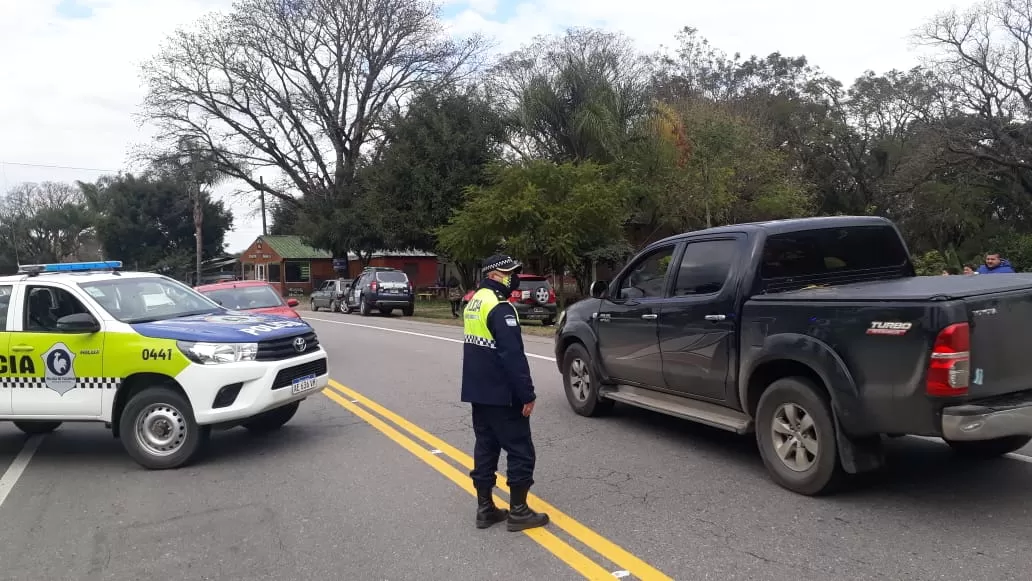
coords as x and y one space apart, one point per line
430 153
573 97
147 222
45 222
558 214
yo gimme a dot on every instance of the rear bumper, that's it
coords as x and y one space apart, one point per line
535 312
392 302
985 422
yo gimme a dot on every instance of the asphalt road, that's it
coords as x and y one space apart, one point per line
368 482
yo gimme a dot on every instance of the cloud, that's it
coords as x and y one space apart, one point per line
71 67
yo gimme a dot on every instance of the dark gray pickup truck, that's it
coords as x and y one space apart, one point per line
814 334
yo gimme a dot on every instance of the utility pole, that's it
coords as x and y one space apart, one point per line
265 228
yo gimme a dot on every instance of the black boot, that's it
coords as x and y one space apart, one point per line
521 517
487 513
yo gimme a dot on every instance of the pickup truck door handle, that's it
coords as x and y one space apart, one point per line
715 317
22 348
650 316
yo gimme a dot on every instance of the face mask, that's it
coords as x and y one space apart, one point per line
511 282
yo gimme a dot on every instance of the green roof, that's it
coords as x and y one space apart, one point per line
292 247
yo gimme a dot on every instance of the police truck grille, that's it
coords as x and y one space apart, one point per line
283 348
286 376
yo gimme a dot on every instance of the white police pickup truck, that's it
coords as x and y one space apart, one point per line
154 360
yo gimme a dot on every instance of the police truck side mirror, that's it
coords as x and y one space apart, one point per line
78 323
292 302
598 289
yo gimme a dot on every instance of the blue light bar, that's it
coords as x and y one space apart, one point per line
71 266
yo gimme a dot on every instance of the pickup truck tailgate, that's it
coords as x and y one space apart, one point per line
1001 343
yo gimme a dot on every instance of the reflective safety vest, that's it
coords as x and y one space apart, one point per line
474 318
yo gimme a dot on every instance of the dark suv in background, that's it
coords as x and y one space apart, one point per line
534 301
382 288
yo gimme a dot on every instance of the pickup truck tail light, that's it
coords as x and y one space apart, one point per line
949 370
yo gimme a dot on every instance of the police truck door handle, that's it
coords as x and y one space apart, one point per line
21 348
715 317
650 316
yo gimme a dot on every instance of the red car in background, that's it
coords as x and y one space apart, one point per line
253 296
535 299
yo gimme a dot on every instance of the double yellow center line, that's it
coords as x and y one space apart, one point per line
348 398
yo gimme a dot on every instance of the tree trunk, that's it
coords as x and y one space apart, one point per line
198 218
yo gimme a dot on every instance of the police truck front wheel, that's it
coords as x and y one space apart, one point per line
158 429
37 427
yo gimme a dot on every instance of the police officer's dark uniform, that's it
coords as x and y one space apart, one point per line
496 380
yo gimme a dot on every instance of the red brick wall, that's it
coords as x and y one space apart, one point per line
422 270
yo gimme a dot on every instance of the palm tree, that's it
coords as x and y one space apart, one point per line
196 167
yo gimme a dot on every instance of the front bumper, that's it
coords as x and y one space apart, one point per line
258 385
987 421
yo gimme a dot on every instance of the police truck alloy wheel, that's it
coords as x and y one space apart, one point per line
36 427
795 432
580 383
158 430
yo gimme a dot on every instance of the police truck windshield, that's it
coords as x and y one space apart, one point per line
142 300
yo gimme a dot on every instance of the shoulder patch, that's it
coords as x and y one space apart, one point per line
510 320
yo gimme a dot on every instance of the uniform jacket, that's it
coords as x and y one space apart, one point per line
497 374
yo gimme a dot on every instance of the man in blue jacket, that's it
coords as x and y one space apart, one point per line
496 381
994 265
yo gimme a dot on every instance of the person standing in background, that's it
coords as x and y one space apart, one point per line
995 265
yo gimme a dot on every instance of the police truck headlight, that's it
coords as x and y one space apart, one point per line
215 353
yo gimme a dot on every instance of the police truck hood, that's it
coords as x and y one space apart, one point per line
227 327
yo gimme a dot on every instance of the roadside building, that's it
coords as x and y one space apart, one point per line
287 263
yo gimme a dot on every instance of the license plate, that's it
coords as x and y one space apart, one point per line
303 384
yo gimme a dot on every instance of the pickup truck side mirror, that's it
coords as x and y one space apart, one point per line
598 289
78 323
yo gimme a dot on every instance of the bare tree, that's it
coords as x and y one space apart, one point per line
982 61
299 85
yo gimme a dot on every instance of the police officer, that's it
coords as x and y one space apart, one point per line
496 381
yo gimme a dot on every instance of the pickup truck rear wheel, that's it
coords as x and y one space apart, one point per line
159 431
989 448
795 432
581 384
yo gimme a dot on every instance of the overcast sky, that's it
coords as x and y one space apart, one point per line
69 81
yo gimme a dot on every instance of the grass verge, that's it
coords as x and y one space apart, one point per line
439 312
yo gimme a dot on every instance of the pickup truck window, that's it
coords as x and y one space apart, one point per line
831 250
704 267
647 278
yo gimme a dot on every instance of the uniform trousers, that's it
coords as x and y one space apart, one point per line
500 428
